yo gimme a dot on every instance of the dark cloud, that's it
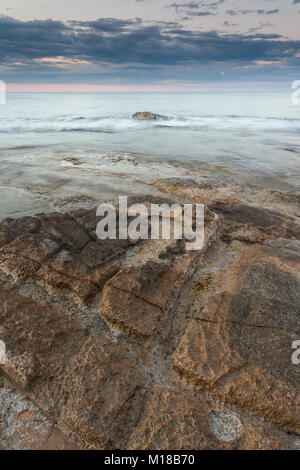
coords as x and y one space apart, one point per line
158 49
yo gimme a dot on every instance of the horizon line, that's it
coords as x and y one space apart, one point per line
176 87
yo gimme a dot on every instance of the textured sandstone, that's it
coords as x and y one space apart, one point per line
239 346
204 426
125 345
61 252
24 427
147 293
253 224
87 383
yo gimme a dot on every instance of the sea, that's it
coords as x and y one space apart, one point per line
256 132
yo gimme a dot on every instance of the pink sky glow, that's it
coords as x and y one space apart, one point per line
165 87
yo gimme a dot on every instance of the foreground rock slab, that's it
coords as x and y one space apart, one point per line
122 345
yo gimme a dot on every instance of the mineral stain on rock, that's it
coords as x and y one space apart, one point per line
225 426
177 349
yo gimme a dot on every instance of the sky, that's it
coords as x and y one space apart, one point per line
128 45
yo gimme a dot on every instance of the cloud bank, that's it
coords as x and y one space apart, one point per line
138 52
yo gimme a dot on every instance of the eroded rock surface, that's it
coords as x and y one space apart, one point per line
147 292
61 252
179 420
24 427
88 383
253 224
120 344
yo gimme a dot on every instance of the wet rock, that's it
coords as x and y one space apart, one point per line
202 191
13 228
290 198
61 252
255 224
145 116
64 230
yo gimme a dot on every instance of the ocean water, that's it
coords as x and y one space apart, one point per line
255 132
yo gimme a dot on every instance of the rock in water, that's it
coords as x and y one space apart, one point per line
145 116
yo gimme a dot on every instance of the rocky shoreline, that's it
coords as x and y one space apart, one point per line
123 345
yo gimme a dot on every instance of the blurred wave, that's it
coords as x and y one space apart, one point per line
114 125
